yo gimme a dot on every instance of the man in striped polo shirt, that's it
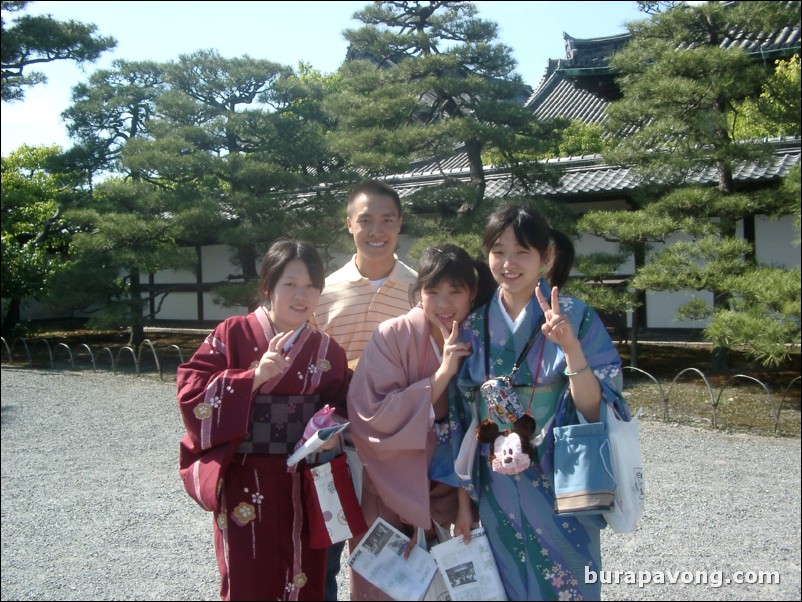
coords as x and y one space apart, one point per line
372 287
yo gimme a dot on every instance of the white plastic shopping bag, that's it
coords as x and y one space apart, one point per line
628 471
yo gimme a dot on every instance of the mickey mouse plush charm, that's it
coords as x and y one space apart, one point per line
512 449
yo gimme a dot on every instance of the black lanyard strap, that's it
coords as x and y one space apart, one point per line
521 357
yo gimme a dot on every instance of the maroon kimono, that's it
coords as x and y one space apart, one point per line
233 457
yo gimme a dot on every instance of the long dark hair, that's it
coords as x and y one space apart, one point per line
532 231
452 263
279 255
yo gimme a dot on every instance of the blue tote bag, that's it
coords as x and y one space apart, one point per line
583 468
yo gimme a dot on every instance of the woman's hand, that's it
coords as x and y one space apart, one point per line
585 387
273 362
464 522
453 352
413 541
556 326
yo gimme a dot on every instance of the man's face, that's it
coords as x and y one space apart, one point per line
374 223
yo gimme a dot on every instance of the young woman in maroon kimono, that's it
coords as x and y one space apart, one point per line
245 398
398 404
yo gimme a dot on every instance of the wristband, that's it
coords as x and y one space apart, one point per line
580 371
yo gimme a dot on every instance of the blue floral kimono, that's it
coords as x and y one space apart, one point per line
540 556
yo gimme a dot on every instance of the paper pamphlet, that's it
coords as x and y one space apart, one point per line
311 445
379 558
469 572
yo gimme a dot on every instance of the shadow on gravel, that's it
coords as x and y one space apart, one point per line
8 414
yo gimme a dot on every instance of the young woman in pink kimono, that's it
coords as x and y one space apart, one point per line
398 404
245 398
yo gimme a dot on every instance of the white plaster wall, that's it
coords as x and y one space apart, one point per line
661 309
170 277
217 264
212 311
178 306
588 243
774 242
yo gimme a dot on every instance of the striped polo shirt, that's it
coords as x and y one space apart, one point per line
349 310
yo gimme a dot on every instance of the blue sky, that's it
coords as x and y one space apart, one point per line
284 32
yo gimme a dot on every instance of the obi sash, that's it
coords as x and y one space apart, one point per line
277 423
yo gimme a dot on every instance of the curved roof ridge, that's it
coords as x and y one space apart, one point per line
618 36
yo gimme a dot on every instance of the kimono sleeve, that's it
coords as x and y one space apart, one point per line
214 391
391 421
382 402
603 359
215 398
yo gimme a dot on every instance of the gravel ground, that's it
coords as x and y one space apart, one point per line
93 508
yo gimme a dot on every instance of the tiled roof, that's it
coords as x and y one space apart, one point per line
561 92
584 95
588 177
766 44
558 96
591 53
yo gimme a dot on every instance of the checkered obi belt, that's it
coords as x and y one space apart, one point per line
278 422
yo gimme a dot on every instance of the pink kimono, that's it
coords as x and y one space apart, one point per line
392 426
233 458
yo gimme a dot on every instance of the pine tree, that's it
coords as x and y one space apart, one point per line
425 80
33 40
680 88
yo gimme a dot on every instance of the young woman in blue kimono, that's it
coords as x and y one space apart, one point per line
540 555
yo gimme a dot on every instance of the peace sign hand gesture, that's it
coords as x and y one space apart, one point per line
274 361
585 387
453 351
556 327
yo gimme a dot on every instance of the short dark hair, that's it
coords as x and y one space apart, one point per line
452 263
280 254
377 188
